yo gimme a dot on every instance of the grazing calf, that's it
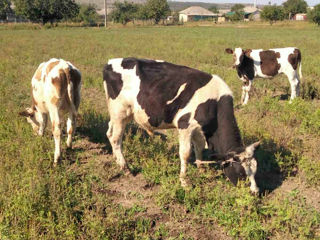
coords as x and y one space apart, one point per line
252 63
161 95
55 90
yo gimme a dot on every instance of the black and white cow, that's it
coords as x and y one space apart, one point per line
251 63
162 95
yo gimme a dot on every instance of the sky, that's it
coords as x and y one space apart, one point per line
278 2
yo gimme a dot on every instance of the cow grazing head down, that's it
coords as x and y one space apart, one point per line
238 55
32 116
238 166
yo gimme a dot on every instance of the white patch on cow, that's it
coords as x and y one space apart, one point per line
237 53
160 61
182 87
127 98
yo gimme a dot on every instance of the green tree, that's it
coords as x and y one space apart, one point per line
46 10
143 13
293 7
157 9
273 13
4 8
214 9
88 14
314 14
124 12
237 7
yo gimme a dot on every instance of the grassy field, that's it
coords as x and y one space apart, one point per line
85 198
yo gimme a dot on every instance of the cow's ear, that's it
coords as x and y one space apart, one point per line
229 50
250 149
27 113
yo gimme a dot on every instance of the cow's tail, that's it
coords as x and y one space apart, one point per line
70 90
300 70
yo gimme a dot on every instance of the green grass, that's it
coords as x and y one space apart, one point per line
74 200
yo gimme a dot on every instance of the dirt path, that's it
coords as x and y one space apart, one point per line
130 191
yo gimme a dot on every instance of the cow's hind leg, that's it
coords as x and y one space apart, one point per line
115 134
56 130
294 84
184 152
71 126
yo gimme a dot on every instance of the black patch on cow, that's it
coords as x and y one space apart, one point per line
219 125
160 83
113 80
183 122
234 171
295 58
246 67
269 63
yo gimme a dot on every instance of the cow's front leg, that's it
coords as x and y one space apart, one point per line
184 152
43 119
245 92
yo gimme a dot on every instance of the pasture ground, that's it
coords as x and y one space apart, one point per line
86 197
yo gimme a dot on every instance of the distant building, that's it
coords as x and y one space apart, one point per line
196 13
250 13
300 17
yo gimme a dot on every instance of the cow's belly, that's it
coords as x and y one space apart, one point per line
143 120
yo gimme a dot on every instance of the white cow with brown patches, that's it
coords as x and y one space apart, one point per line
251 63
55 91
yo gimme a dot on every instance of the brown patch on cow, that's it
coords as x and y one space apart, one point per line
60 82
269 62
38 74
295 58
51 65
54 100
76 81
70 130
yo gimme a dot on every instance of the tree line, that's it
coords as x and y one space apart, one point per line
155 10
288 10
45 11
273 13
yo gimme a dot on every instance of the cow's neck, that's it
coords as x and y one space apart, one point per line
227 137
246 68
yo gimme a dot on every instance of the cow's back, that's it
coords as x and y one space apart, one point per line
159 93
50 84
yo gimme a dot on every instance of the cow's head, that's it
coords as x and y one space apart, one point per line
241 165
238 55
33 117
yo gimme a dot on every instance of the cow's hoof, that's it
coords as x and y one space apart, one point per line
185 183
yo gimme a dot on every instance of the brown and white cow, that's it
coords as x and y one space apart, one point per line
55 90
162 95
251 63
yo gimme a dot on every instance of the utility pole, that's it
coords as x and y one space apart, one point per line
105 13
255 3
